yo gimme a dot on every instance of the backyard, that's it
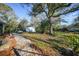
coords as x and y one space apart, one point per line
39 29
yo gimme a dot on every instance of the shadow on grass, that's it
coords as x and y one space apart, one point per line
64 51
53 43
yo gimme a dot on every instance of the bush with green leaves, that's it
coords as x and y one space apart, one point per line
72 41
43 27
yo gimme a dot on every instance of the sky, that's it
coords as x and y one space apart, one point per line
70 17
20 11
23 13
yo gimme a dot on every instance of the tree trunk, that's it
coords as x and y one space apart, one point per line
50 27
3 29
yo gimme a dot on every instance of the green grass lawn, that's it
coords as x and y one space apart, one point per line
48 43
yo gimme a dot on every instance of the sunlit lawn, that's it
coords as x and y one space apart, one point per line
47 42
39 40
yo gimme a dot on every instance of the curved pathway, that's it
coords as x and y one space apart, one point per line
24 44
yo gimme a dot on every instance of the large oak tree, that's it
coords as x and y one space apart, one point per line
53 11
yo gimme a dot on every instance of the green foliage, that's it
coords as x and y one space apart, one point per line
43 27
23 24
49 9
73 41
11 26
4 7
10 18
41 7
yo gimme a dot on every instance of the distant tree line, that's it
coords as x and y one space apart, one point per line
45 17
12 24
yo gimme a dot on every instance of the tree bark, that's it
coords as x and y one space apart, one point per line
50 24
3 29
50 27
